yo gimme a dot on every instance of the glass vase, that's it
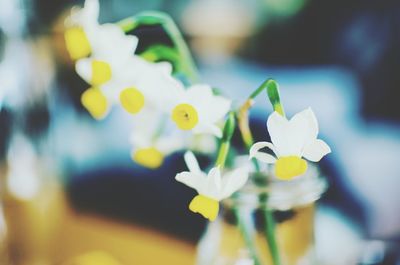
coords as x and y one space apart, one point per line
239 236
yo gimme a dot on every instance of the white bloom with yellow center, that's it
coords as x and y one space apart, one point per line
150 144
110 60
108 46
291 140
199 110
140 84
84 35
212 187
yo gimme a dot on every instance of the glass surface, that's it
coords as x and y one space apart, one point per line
239 233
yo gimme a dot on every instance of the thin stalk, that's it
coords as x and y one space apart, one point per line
247 137
246 233
223 152
271 87
270 233
164 20
227 133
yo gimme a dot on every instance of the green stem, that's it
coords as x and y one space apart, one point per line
248 239
159 18
223 152
227 133
271 87
270 232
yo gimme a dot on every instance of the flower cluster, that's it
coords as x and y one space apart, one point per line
168 115
162 108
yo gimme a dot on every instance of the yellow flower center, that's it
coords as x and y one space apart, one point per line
289 167
148 157
185 116
132 100
205 206
76 42
101 72
95 102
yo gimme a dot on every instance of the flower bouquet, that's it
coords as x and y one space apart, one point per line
173 111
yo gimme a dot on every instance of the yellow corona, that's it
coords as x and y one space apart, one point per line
205 206
95 102
185 116
77 44
101 72
148 157
132 100
290 166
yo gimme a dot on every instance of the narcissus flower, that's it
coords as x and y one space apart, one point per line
108 46
109 60
138 84
198 109
85 36
291 140
150 144
212 187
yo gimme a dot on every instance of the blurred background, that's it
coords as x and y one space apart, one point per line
70 188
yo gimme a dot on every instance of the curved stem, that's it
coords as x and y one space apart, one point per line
223 152
271 87
165 21
227 133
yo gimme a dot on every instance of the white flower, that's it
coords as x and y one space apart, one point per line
291 140
85 36
150 143
109 58
211 187
198 109
140 84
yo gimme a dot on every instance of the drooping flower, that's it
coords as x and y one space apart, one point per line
291 140
150 143
212 187
109 49
143 85
199 110
109 60
85 36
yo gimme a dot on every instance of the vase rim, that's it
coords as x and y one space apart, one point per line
282 194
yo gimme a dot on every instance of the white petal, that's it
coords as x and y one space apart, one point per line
316 150
210 108
290 137
218 107
207 128
170 144
91 10
263 157
260 145
191 162
164 67
195 181
233 181
88 15
199 93
110 43
84 69
212 186
277 127
312 122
